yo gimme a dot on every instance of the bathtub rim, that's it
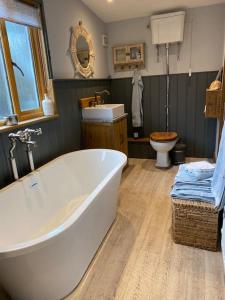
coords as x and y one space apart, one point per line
42 241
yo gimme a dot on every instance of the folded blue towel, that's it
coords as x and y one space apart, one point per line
195 185
200 166
202 196
203 183
184 175
192 186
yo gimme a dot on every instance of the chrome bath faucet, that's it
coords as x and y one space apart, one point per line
24 137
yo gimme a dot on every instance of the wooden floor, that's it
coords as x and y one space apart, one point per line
138 259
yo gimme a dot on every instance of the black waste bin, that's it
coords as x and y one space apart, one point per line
178 154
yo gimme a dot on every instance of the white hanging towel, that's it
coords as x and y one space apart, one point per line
137 111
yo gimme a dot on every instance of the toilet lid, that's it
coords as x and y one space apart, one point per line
163 136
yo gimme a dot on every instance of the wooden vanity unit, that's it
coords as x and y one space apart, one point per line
106 135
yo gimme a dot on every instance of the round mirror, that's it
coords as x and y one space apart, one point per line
83 53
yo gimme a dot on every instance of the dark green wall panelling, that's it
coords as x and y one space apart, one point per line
60 136
187 100
63 134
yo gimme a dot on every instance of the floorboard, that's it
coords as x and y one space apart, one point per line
138 259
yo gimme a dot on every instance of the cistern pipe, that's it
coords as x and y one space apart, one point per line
167 86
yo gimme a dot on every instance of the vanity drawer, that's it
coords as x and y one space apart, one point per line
106 135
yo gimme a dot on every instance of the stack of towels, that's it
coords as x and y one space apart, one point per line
194 181
203 181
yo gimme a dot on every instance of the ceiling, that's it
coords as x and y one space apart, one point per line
117 10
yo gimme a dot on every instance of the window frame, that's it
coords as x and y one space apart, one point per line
37 48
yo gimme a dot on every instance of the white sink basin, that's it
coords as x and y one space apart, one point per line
104 112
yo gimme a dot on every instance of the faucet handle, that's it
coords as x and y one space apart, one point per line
33 131
39 131
14 136
11 135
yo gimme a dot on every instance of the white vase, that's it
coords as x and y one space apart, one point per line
48 106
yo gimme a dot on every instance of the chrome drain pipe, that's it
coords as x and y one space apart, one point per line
167 86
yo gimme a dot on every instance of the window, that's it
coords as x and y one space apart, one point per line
22 71
5 97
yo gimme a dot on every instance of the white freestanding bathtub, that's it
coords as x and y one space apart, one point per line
53 221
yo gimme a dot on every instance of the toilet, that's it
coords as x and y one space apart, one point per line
162 143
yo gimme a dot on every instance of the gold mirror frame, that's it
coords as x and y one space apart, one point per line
76 32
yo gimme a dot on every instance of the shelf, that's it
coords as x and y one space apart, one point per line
128 57
27 123
139 140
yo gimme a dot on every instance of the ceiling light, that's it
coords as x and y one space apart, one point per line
109 1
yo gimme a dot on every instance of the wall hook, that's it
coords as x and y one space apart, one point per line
157 49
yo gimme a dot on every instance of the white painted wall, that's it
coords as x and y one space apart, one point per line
223 44
207 42
60 16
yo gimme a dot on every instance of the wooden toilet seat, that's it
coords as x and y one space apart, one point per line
163 136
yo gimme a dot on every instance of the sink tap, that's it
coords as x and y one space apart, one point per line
101 93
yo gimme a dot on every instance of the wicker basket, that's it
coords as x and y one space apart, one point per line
195 224
214 104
